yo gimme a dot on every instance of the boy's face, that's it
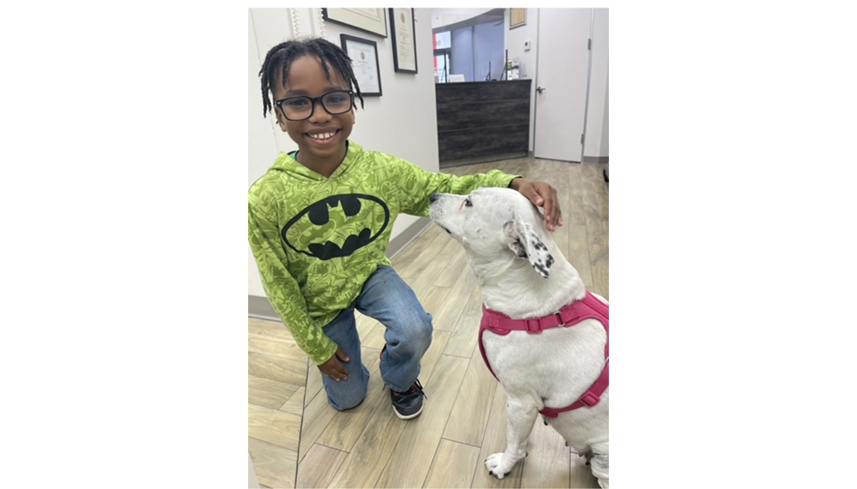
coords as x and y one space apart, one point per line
321 138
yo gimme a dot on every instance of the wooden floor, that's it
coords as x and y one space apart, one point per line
297 440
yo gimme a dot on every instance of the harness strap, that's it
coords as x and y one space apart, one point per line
587 308
589 398
484 357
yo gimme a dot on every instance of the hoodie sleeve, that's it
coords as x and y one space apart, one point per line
281 288
417 185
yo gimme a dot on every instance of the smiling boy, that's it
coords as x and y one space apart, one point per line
320 221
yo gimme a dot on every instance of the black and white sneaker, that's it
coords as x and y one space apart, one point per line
408 405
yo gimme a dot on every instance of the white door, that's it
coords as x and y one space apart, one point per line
563 72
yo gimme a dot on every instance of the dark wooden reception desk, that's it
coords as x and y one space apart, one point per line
482 121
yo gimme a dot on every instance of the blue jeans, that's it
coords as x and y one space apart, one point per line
387 298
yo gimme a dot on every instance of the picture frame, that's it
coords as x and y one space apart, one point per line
371 20
404 37
517 17
364 62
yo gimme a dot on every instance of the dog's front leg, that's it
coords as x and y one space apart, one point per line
521 415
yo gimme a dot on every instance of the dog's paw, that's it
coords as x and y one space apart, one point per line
495 468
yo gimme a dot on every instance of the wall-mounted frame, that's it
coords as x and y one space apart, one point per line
371 20
517 17
364 63
404 36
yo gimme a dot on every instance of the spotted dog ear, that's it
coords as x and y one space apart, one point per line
526 243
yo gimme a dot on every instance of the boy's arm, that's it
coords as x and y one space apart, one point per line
417 185
420 184
282 289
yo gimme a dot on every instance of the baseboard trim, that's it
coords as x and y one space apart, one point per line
410 233
596 159
260 307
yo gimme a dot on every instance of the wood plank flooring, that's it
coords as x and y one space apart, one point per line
297 440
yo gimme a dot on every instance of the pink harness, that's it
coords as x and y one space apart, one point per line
587 308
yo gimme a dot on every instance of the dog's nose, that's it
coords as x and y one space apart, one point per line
433 197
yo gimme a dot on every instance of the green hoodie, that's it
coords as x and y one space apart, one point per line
317 240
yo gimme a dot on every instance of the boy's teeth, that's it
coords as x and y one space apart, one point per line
322 136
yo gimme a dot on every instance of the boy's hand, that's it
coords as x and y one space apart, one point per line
333 368
541 194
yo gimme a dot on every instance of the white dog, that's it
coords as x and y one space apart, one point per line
522 275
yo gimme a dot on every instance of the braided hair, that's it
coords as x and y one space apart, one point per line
280 57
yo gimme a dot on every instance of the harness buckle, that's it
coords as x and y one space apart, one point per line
590 399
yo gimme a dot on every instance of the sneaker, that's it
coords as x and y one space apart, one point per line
408 404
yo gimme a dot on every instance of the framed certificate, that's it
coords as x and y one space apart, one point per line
404 40
371 20
517 17
364 62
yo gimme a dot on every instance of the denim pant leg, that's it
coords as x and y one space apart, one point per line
346 394
387 298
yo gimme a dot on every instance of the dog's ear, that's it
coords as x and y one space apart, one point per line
526 243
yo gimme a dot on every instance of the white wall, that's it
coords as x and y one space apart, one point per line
402 122
596 118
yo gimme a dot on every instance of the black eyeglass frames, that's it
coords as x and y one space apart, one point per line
301 108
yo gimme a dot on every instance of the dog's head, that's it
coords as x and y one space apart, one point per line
493 223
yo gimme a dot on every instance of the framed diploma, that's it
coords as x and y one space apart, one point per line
404 39
517 17
364 62
371 20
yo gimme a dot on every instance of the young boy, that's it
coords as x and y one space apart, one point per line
320 221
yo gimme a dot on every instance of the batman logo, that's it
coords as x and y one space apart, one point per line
337 226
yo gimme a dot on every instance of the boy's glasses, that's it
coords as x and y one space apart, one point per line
302 108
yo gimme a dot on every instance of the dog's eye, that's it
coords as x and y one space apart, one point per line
468 203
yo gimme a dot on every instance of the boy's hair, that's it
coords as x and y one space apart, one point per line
280 57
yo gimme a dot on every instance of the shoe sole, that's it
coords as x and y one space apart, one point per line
409 416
